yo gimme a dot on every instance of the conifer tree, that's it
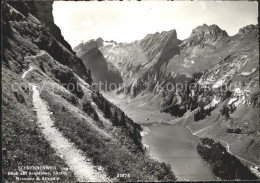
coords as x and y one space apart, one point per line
107 110
115 119
122 120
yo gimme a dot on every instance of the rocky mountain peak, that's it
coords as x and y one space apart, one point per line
152 44
112 41
206 34
100 42
208 30
163 34
248 29
91 44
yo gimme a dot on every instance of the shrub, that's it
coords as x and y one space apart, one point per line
236 130
87 107
74 100
202 113
225 112
19 97
176 110
227 95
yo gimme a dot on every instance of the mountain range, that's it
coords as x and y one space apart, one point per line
223 69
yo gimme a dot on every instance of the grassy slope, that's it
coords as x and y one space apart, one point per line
23 142
101 145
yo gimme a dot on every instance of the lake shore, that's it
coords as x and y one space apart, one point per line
176 146
172 144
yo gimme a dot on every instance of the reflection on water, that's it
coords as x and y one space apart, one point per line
177 146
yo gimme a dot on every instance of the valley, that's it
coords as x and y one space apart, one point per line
137 113
170 142
167 143
173 102
148 66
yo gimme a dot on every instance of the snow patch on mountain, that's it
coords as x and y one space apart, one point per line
215 101
248 73
109 44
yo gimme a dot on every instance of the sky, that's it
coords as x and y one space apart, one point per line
128 21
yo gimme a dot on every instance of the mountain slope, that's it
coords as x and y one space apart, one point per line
98 130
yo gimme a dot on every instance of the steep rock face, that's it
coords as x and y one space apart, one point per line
93 58
153 44
29 26
42 10
142 61
238 70
164 46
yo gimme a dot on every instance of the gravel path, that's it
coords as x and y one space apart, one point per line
83 170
